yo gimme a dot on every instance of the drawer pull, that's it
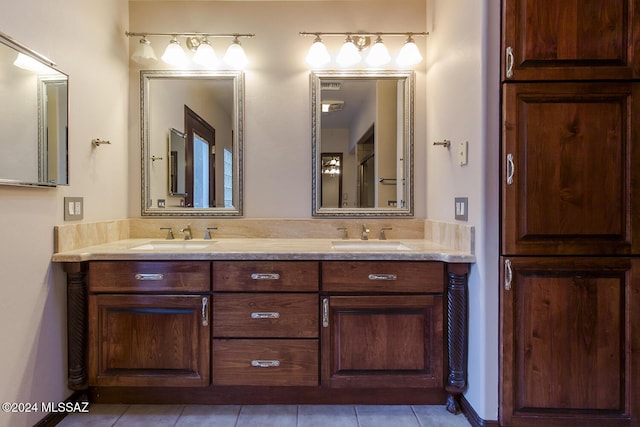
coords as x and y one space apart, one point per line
149 276
267 315
265 276
265 363
383 277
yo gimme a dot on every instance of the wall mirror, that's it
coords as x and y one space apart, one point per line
191 129
33 118
362 135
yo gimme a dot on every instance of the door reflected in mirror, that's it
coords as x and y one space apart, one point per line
366 119
192 143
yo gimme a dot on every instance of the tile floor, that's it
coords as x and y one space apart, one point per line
265 416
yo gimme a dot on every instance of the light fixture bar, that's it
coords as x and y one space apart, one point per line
361 33
249 35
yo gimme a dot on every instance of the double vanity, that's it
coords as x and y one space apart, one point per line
268 320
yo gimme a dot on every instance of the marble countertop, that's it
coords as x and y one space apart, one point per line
264 249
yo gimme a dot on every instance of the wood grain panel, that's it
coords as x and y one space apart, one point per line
265 276
149 276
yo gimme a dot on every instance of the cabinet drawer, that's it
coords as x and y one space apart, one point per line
265 315
149 276
390 276
265 276
265 362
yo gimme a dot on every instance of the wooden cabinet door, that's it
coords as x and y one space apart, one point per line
571 40
570 334
149 340
382 341
570 175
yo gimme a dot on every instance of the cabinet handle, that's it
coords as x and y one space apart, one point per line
325 312
383 277
509 62
508 275
267 315
265 276
511 169
149 276
265 363
205 311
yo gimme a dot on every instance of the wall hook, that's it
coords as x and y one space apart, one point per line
98 142
446 143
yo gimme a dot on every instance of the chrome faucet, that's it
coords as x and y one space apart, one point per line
365 233
187 232
169 232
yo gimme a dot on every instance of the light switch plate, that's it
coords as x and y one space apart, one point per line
73 208
462 208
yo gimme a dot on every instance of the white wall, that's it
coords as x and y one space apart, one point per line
277 101
86 39
462 105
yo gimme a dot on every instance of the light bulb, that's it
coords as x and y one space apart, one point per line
235 56
205 55
144 53
379 54
174 54
349 53
318 54
409 54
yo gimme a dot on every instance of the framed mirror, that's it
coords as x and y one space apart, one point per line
364 119
191 130
33 118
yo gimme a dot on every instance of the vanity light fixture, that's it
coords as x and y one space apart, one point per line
174 54
235 56
144 53
318 54
379 55
409 54
349 54
355 43
204 54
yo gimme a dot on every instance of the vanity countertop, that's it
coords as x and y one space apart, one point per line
265 249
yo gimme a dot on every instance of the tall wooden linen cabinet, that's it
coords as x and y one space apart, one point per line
570 213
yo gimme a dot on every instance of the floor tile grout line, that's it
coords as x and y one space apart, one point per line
120 416
413 410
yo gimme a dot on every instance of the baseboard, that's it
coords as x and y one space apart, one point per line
473 417
54 418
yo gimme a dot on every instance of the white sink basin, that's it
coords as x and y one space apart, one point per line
172 246
371 245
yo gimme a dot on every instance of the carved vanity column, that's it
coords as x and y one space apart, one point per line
457 329
77 325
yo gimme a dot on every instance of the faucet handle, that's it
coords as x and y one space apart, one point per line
383 236
345 233
365 233
207 234
169 232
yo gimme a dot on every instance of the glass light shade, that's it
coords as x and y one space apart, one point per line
379 54
235 56
144 53
409 54
174 54
318 54
205 55
349 54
